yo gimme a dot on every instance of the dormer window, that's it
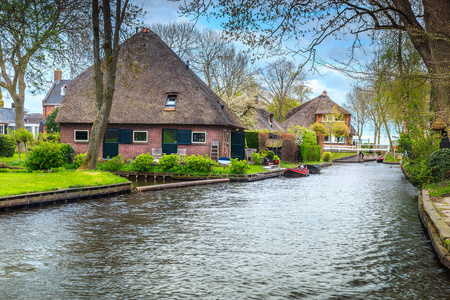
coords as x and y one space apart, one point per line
170 102
63 90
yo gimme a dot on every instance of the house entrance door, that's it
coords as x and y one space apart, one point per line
169 141
238 145
111 143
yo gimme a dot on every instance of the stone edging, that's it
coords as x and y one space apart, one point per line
437 228
64 195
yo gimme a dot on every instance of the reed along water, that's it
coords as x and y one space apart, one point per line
351 232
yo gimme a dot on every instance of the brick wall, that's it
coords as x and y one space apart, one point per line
213 133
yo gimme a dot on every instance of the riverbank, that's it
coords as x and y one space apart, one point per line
434 213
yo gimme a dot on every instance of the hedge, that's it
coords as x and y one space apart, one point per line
7 145
439 163
310 153
252 139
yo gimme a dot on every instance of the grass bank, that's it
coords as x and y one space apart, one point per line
439 189
15 183
390 158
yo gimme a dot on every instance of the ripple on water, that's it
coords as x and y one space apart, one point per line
351 232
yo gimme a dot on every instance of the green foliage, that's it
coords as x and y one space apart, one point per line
50 124
169 162
239 166
68 151
439 163
257 158
114 164
198 164
310 153
50 137
78 160
143 162
7 146
309 138
45 156
252 139
418 171
270 154
327 156
275 157
318 128
339 129
21 136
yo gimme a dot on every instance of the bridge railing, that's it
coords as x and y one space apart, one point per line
357 147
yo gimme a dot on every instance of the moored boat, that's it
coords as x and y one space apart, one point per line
314 169
296 172
380 159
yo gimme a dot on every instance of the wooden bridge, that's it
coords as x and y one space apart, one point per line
357 148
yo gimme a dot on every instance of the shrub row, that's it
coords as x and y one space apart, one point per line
310 153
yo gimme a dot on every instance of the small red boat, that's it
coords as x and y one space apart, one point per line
380 159
296 172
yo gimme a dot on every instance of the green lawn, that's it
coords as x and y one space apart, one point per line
15 183
14 161
390 158
438 189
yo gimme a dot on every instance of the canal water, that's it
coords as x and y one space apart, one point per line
351 232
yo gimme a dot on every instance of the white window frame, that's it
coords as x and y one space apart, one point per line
329 139
81 141
192 137
2 129
146 137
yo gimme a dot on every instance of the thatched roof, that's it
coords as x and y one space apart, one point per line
147 72
263 121
305 114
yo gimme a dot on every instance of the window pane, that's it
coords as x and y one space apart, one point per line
112 136
12 127
169 136
81 135
2 130
198 137
140 136
171 101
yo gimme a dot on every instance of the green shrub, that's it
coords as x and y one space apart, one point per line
169 162
78 160
198 164
257 158
143 162
50 137
418 171
69 152
310 153
327 156
239 166
7 146
45 156
270 154
252 139
439 163
114 164
309 138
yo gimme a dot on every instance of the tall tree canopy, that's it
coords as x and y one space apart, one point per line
31 31
268 23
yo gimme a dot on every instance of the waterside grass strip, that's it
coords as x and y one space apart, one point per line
437 228
178 184
64 195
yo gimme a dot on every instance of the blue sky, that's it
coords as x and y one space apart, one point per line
159 11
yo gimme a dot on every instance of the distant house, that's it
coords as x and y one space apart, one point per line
55 94
266 121
319 110
7 121
159 103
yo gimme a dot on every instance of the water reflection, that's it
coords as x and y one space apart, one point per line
351 232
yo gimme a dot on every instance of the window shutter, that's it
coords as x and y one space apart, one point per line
125 136
184 137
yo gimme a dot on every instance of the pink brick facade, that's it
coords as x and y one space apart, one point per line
129 151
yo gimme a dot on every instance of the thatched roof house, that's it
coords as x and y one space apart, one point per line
316 110
155 91
266 121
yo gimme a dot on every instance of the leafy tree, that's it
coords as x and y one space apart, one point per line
31 30
424 21
21 138
50 125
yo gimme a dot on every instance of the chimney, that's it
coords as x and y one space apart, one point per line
13 105
145 30
324 93
58 75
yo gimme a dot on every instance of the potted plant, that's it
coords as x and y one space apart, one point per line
276 160
270 155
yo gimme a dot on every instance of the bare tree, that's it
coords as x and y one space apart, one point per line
357 102
31 30
284 87
181 37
